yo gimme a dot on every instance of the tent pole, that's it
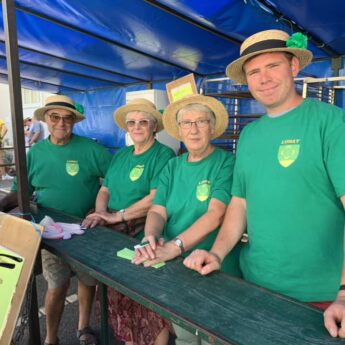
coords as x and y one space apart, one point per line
12 58
16 103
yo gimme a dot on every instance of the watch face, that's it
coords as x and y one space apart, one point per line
179 243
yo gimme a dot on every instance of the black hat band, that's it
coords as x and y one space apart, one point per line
61 104
264 45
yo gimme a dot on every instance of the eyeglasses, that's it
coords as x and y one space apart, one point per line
140 123
68 119
198 123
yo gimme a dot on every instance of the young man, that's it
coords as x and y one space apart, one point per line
289 185
64 171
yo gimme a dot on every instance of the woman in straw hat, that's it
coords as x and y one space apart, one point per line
194 189
122 204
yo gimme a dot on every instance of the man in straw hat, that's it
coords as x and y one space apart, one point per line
289 183
64 171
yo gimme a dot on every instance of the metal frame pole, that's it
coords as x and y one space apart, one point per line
12 59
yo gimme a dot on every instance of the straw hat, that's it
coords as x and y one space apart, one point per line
137 104
170 114
266 42
58 102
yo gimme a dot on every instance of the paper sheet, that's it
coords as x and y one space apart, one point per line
9 277
128 254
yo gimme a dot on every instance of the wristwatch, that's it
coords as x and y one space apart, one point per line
122 214
179 243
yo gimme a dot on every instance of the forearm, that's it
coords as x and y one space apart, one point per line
9 202
102 200
342 280
155 222
204 225
233 227
34 138
140 208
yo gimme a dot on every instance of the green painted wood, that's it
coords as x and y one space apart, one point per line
104 313
222 309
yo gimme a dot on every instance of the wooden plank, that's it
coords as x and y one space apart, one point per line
222 309
24 238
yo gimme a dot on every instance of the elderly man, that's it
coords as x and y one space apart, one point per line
64 172
289 183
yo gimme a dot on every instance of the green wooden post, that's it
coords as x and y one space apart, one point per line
104 313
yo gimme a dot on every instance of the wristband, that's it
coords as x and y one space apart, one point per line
217 257
122 214
342 287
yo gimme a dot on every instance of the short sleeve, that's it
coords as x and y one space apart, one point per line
223 182
333 150
162 158
163 187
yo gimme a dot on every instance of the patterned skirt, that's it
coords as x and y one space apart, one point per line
131 321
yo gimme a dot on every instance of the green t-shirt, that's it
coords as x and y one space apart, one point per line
131 177
185 190
67 177
290 170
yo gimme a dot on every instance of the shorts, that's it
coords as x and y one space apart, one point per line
184 337
56 272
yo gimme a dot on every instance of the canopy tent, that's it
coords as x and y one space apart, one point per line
72 46
97 50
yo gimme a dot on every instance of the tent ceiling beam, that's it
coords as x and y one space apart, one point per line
65 71
81 63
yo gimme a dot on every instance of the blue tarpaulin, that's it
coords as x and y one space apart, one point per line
95 50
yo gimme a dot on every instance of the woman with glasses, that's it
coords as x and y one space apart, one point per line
122 204
193 191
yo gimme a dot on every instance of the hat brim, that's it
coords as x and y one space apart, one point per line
40 112
235 69
120 114
170 114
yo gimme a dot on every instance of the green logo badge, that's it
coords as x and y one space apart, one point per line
136 172
72 168
287 154
203 190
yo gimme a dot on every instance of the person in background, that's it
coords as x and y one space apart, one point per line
3 132
64 173
122 204
35 132
289 184
193 190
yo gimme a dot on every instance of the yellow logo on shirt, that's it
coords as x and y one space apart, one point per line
136 172
288 152
203 190
72 168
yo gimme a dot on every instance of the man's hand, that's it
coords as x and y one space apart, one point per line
202 261
334 318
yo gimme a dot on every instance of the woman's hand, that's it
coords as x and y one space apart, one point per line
92 220
164 253
110 218
147 249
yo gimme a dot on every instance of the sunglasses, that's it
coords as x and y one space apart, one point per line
68 119
140 123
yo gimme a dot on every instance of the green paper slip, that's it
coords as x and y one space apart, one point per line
9 277
128 254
